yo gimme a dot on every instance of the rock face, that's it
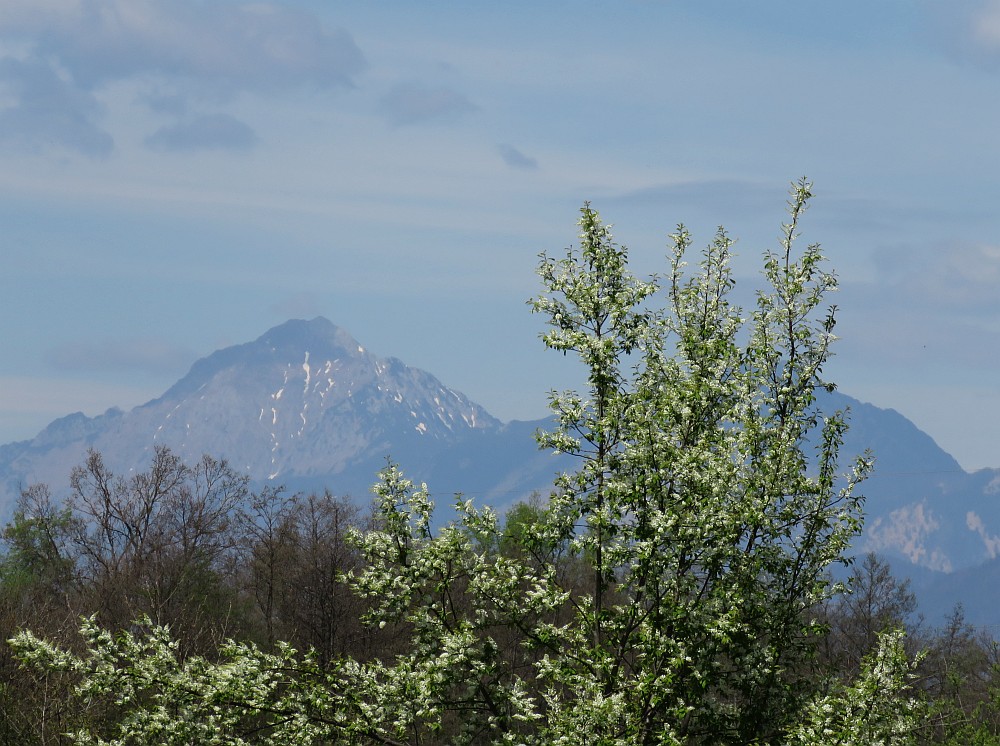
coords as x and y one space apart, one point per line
922 507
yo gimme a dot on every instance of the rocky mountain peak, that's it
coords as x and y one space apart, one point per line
319 333
303 400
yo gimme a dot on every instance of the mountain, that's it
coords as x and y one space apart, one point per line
922 507
305 405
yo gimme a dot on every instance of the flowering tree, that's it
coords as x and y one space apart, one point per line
661 595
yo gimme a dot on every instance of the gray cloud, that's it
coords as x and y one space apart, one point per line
138 354
245 45
414 103
212 132
516 159
69 51
48 111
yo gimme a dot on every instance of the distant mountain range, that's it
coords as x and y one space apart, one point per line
305 405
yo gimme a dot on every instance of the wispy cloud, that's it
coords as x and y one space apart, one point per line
958 278
926 308
301 305
743 194
416 103
29 403
516 159
160 102
212 132
967 30
135 355
985 25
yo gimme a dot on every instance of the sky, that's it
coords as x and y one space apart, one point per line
177 176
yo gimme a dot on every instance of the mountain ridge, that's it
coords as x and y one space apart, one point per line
306 405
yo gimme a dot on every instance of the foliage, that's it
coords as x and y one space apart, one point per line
960 676
873 710
146 693
37 569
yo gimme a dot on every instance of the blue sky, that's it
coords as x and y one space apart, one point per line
177 176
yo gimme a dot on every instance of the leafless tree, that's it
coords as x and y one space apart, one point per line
153 543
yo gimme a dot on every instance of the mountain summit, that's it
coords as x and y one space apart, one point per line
306 399
303 402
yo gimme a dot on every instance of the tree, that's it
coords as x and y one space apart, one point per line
707 521
155 543
295 556
318 609
665 592
38 586
874 709
266 548
961 675
38 569
874 603
137 688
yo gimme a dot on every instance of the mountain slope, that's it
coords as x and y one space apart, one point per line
922 507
